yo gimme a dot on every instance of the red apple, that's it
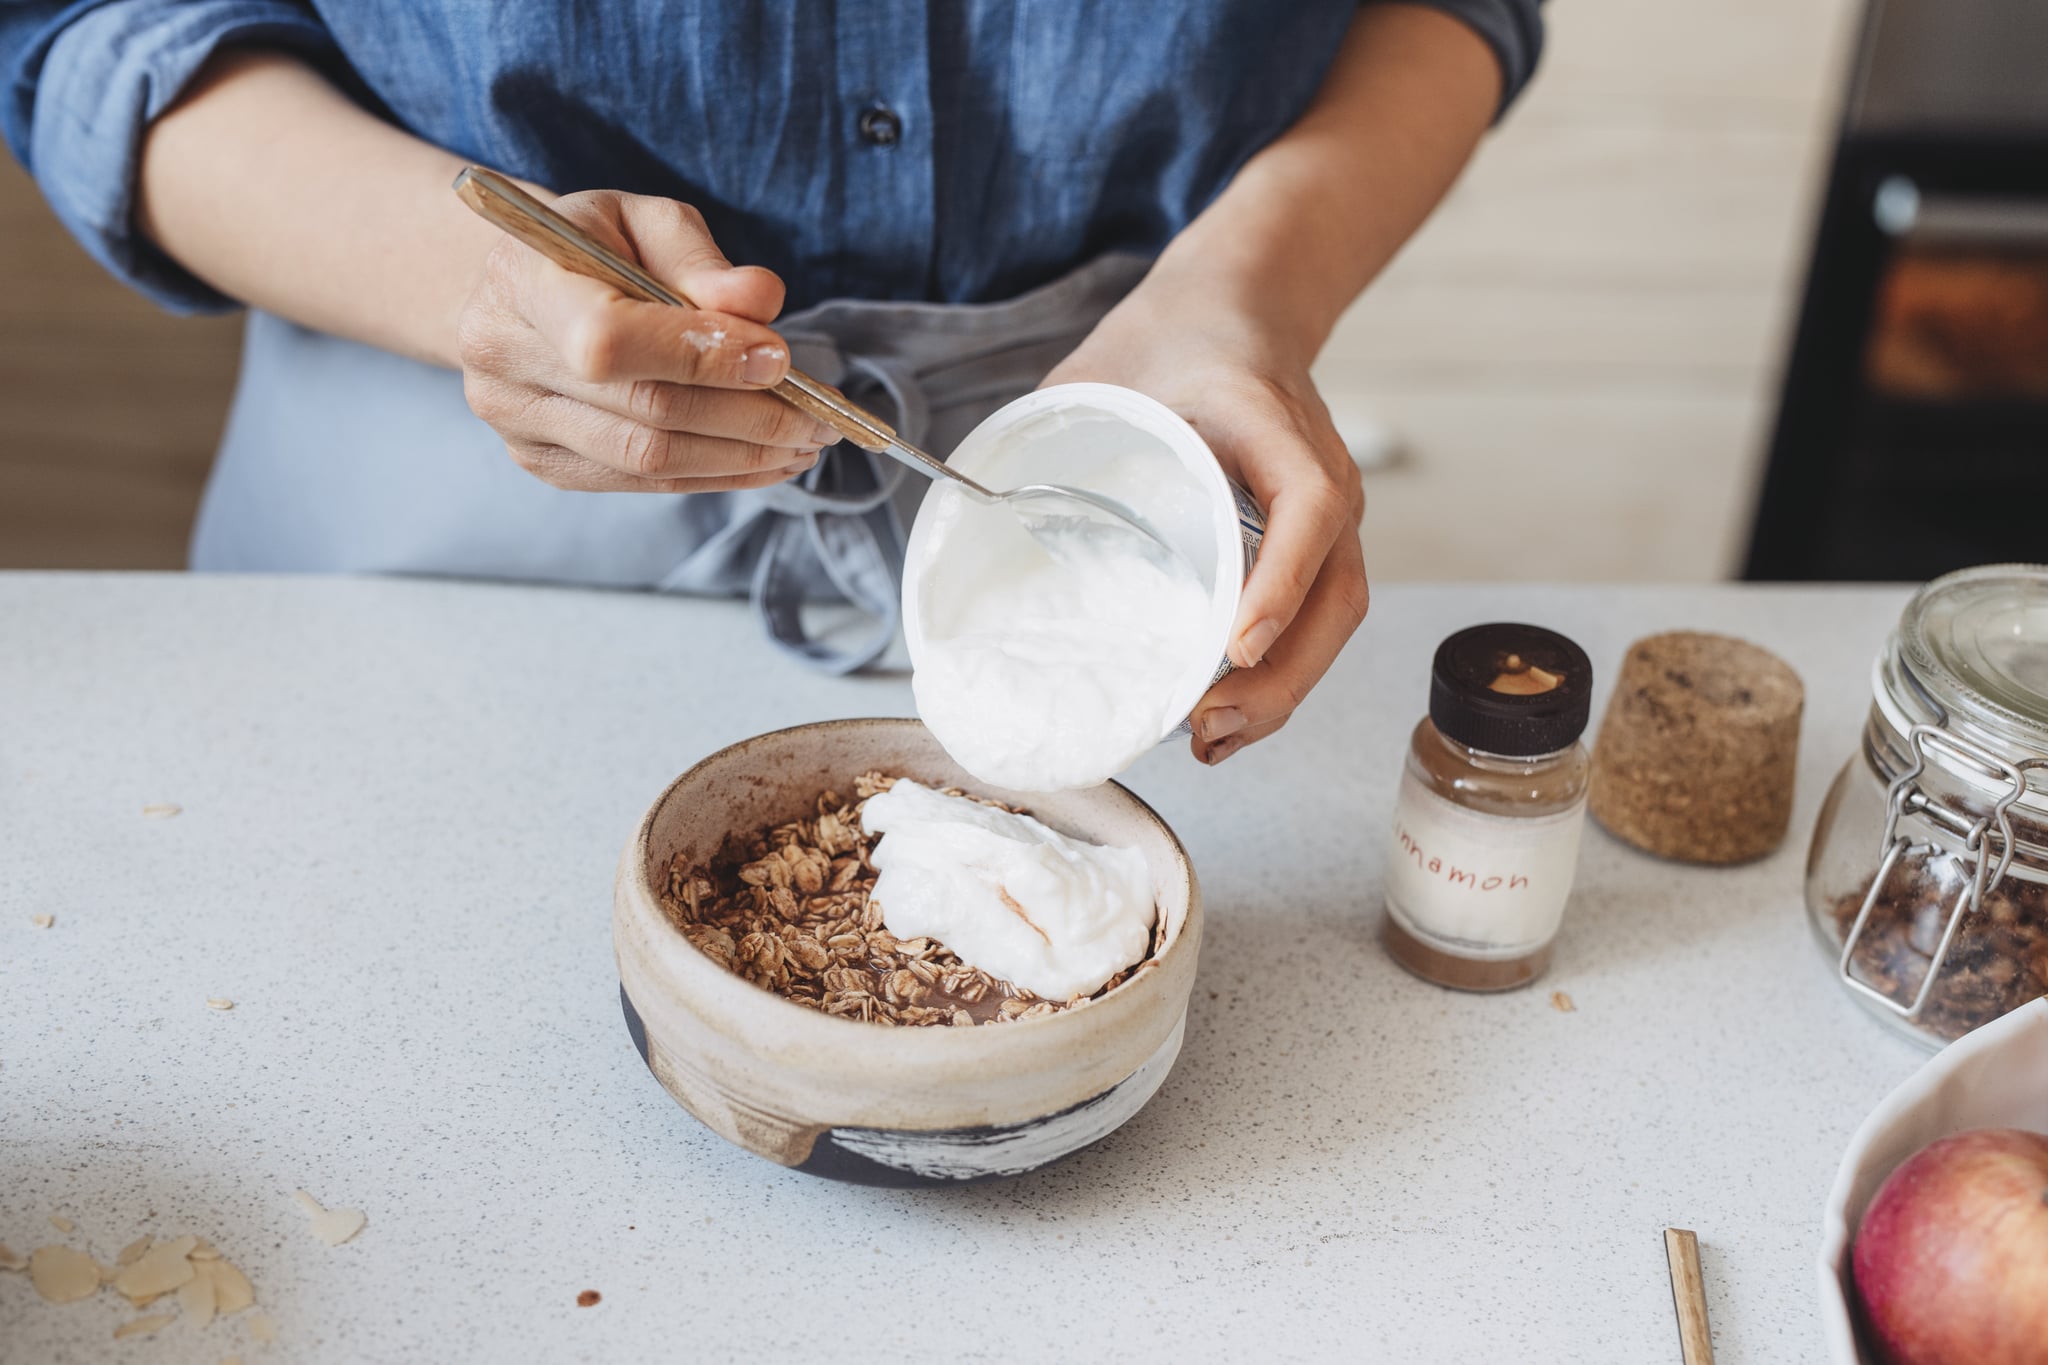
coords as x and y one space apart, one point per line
1951 1262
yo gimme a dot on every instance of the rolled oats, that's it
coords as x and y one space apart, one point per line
790 909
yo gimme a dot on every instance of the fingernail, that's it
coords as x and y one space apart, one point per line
1254 643
763 364
824 435
1218 721
1220 750
807 463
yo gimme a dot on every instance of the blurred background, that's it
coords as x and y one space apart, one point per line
1757 287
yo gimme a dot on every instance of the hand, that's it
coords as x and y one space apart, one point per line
595 391
1247 391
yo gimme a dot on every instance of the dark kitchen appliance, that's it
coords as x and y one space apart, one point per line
1912 433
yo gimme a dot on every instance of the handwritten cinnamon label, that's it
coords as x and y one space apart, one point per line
1489 881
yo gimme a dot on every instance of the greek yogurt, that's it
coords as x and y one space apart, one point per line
1023 902
1053 671
1041 670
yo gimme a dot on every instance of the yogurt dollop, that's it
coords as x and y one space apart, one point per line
1043 671
1009 895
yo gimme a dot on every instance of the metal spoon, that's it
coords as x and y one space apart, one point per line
1057 516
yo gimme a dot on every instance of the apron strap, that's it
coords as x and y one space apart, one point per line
840 518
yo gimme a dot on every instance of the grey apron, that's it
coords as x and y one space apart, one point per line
342 458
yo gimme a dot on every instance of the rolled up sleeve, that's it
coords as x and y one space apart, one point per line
1512 28
85 81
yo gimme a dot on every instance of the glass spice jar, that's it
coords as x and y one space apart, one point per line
1485 837
1927 881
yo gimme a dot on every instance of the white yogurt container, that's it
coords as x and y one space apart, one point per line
1110 440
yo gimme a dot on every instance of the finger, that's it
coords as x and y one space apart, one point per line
567 469
642 451
756 418
673 242
603 338
1213 752
1306 512
1250 703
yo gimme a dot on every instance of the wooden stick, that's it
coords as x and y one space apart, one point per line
1689 1295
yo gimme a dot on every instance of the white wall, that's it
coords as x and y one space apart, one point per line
1580 352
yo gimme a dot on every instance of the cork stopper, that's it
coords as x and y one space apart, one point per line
1696 754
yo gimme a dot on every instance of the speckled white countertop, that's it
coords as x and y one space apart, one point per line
401 806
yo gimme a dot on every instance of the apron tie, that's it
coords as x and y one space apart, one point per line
839 518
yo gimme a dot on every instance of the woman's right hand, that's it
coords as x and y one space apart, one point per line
592 390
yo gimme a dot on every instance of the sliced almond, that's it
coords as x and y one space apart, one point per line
262 1329
162 810
219 1002
62 1224
10 1259
132 1253
205 1251
161 1269
42 921
63 1275
142 1327
196 1296
1562 1003
332 1226
232 1291
336 1226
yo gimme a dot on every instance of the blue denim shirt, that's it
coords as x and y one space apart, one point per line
960 151
953 192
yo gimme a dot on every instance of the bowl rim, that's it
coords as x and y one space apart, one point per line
731 995
1974 1049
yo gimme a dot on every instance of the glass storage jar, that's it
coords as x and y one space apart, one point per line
1928 876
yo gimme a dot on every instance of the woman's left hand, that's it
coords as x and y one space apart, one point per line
1250 397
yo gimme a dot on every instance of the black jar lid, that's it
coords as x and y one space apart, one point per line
1511 689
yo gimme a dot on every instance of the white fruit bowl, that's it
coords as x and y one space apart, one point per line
1994 1077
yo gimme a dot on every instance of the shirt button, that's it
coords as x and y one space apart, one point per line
881 126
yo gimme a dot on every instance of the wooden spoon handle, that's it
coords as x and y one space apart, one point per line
498 200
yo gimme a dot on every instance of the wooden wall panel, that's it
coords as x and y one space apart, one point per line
109 407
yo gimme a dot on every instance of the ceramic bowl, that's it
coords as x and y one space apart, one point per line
861 1102
1992 1077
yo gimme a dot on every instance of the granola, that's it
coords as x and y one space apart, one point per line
790 909
1997 961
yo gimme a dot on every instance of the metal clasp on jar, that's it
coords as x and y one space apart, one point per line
1980 871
